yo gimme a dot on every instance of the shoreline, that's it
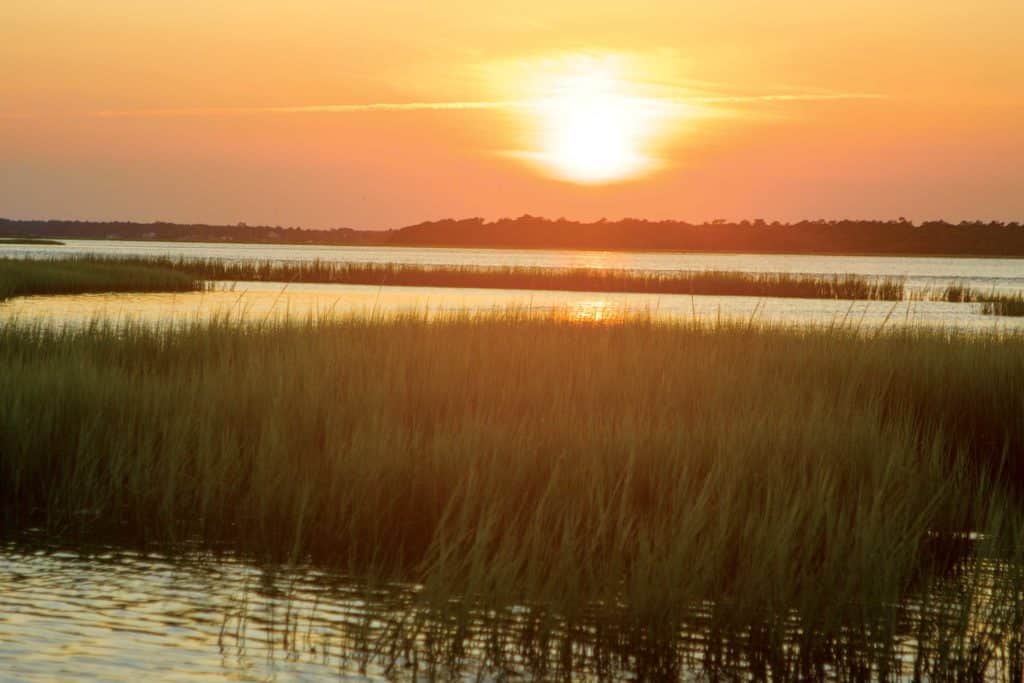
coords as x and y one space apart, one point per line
445 246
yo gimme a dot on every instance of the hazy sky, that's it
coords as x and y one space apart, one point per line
379 114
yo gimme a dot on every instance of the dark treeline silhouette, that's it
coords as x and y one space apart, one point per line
185 232
531 232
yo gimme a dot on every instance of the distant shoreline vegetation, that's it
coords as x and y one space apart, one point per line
896 237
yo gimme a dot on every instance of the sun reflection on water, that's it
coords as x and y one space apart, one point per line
595 310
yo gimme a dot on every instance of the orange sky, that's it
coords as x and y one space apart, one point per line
379 114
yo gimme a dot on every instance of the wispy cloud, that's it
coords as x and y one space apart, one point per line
311 109
791 97
469 105
666 102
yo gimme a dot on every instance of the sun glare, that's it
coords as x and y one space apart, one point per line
593 128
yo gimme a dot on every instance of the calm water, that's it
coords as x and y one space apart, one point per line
986 274
260 301
116 615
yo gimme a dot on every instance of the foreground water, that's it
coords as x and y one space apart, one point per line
117 615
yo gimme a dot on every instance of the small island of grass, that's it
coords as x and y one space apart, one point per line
30 241
25 277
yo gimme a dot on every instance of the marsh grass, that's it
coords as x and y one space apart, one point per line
993 303
963 625
99 274
565 497
529 460
1005 304
711 282
29 241
568 279
24 277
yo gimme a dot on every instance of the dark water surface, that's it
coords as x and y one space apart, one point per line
117 615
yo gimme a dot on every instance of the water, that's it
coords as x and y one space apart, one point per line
120 616
983 273
112 614
260 301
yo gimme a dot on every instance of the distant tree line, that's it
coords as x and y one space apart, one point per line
185 232
819 236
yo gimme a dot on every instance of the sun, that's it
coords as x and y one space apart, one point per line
593 128
594 118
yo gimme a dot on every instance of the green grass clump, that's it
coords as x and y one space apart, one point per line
956 293
992 303
29 240
1005 304
23 277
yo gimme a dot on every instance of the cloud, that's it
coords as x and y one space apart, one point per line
469 105
792 97
311 109
681 101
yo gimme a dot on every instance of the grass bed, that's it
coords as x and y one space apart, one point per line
1008 305
725 283
23 277
992 303
29 241
104 274
567 498
711 282
525 458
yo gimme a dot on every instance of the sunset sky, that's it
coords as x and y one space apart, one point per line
380 114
